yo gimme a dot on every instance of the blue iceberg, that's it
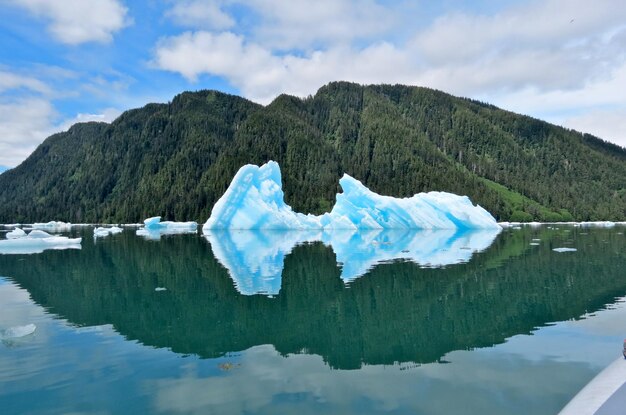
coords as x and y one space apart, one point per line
255 200
255 258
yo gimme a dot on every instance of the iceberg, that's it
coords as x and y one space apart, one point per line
255 258
36 242
153 228
16 233
255 200
101 232
53 226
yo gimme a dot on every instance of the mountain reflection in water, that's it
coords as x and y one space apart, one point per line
398 311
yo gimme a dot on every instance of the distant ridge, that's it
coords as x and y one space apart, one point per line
175 160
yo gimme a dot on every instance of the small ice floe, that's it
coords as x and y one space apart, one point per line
101 232
534 243
16 233
12 225
600 224
536 239
160 289
154 228
53 226
564 249
36 242
17 332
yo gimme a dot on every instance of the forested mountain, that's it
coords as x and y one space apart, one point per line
176 159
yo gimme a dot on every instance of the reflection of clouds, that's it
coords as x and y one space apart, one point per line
536 373
269 383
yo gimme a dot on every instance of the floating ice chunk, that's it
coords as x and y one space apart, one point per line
154 228
12 225
255 200
254 258
155 223
36 242
18 331
564 249
160 289
16 233
53 226
535 243
101 232
601 224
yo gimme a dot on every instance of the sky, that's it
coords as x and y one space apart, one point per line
66 61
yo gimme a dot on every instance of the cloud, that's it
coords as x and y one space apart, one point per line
27 113
24 123
539 45
541 59
200 14
77 21
12 81
295 24
261 75
302 23
608 124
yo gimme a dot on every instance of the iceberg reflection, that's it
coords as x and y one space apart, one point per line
255 258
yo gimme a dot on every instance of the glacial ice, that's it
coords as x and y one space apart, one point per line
36 242
154 228
564 249
17 332
255 200
101 232
254 258
16 233
53 226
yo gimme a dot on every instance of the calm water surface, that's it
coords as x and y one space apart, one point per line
284 322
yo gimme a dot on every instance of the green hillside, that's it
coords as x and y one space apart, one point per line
176 159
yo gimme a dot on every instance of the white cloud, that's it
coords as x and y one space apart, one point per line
538 59
11 81
609 125
77 21
201 14
107 115
24 123
261 75
28 116
303 23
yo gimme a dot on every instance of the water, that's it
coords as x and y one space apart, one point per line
278 323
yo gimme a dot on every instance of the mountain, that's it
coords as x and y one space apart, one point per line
177 159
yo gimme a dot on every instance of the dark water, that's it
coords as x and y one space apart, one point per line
433 323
